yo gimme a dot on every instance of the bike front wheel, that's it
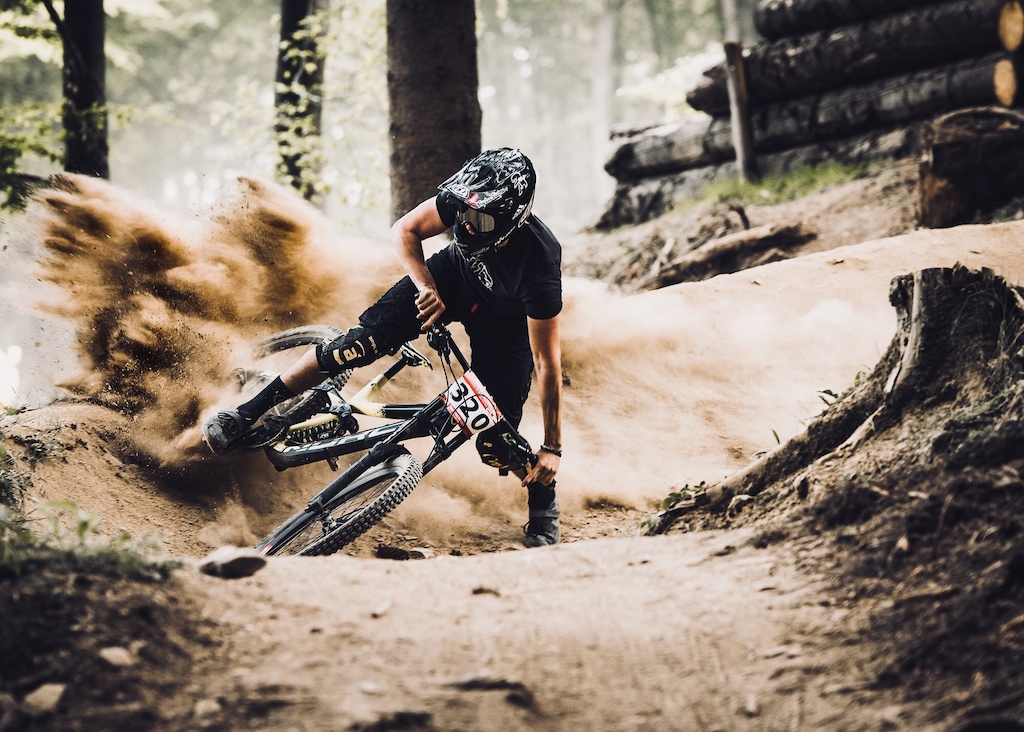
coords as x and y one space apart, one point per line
366 500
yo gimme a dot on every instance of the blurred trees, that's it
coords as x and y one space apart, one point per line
298 94
175 71
80 34
190 89
555 76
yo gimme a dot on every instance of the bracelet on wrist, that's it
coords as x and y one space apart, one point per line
552 450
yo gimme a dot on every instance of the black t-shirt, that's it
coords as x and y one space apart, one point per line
523 278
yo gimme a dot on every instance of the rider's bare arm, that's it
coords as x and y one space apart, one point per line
547 357
407 236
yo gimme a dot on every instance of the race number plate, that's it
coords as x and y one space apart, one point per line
470 405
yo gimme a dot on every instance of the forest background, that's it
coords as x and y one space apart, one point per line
190 90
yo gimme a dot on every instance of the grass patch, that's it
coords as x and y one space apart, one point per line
61 533
775 189
13 482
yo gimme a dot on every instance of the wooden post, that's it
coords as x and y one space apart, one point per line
739 112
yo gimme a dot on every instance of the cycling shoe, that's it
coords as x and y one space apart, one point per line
543 528
225 431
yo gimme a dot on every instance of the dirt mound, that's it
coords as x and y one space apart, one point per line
914 482
689 244
109 648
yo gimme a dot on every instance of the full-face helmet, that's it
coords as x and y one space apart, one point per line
494 192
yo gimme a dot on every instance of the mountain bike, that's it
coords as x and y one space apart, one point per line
323 425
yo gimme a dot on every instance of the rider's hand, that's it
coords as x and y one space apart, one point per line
430 307
545 469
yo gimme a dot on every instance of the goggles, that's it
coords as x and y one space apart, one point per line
482 223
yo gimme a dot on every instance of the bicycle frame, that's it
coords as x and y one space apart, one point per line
413 420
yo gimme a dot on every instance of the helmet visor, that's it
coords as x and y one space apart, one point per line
480 222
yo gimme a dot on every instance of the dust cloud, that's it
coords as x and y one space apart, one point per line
677 386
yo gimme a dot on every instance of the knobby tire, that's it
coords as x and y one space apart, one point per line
306 335
370 497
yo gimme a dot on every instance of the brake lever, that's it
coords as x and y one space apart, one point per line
438 340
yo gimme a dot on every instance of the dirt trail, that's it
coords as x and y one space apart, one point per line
695 632
685 632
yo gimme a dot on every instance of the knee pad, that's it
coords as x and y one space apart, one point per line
358 347
503 448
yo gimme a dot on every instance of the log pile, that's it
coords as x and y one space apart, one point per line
848 80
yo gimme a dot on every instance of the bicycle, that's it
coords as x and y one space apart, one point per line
322 426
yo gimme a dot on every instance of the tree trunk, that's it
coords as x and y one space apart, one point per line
882 47
85 113
298 98
432 89
973 159
776 19
828 116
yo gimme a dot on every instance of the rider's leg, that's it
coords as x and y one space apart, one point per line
357 347
225 430
504 362
383 328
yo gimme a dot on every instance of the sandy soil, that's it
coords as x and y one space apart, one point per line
606 631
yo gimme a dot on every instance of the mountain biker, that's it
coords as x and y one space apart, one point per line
501 278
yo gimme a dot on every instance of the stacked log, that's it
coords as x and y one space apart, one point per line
776 19
831 115
894 44
891 66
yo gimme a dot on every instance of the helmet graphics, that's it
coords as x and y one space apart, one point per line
494 191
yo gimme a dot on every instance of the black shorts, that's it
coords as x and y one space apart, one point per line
500 346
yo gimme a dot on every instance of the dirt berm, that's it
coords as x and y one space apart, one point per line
839 435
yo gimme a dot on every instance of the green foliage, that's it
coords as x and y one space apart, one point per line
18 6
775 189
60 531
681 495
688 496
16 538
828 396
29 130
298 109
13 482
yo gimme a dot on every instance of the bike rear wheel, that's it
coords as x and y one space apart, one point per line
266 367
306 335
370 497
